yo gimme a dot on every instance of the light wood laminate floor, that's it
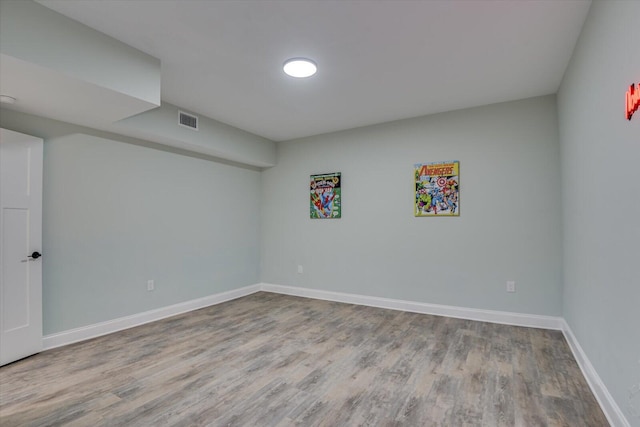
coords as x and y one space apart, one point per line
275 360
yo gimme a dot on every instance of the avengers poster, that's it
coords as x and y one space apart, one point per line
326 199
437 188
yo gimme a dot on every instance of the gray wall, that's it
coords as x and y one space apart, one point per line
509 227
117 214
601 198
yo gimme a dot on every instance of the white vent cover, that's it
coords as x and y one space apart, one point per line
188 120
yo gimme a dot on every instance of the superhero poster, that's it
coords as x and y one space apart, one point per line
326 199
437 189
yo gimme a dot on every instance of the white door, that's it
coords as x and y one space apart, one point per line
20 245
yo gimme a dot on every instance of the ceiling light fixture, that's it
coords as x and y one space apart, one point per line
300 67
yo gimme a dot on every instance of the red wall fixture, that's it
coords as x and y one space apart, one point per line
633 100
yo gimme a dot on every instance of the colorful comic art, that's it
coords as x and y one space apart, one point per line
437 189
326 200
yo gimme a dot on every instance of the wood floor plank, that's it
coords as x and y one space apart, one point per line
274 360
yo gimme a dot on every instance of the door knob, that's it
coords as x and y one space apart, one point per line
34 255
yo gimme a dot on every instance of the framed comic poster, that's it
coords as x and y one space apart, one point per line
326 200
437 188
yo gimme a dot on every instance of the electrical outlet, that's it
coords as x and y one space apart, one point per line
300 269
511 286
151 285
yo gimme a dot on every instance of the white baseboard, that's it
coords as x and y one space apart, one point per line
611 410
503 317
103 328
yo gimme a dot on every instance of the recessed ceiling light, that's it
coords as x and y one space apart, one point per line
6 99
300 67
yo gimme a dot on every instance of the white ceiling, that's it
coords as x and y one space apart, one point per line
377 60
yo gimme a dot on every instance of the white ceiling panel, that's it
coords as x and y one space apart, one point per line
377 60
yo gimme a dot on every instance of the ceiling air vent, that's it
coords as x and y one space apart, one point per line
188 120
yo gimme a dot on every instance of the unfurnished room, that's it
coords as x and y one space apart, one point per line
320 213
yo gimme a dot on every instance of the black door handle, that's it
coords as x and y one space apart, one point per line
35 255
